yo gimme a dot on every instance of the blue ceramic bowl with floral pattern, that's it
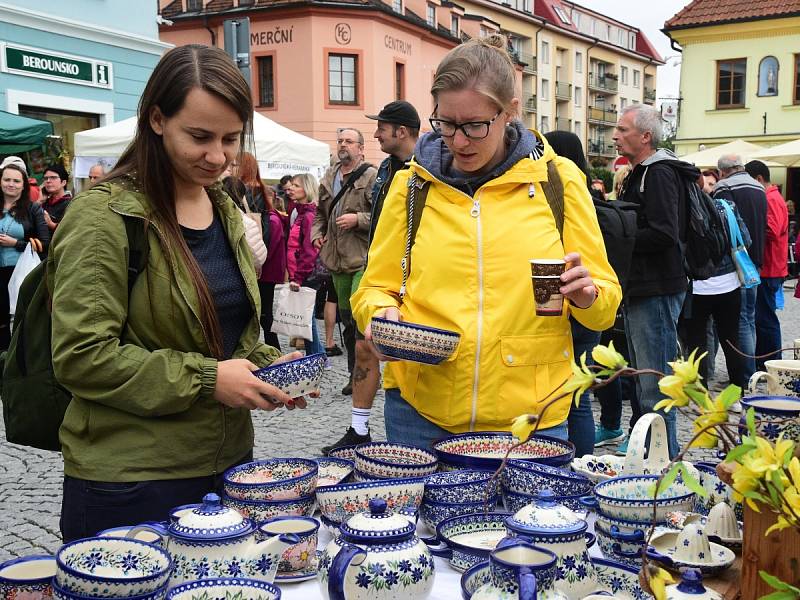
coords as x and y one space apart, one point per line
469 539
631 498
387 460
273 479
459 486
514 501
485 450
338 503
412 341
433 513
297 377
225 588
261 510
524 477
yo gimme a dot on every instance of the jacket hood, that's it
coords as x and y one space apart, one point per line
432 154
686 170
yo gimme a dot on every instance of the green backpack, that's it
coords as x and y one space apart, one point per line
34 402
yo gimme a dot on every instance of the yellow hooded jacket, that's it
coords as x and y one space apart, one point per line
470 274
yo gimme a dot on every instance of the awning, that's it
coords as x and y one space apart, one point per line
19 134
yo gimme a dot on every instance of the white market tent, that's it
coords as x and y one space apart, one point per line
278 149
708 158
787 154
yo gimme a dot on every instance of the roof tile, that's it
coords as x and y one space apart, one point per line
711 12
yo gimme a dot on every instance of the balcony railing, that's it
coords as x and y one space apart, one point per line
649 95
602 115
563 91
530 62
605 83
529 103
563 124
602 148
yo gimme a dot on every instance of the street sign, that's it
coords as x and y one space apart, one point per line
620 162
237 43
56 66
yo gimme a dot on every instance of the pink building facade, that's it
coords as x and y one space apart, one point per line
318 67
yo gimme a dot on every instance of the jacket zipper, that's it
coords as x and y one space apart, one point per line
475 213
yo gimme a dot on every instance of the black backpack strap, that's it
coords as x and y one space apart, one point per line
138 249
554 192
416 197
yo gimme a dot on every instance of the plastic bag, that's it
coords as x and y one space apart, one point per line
292 311
26 263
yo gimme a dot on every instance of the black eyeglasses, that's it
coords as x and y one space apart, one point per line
474 130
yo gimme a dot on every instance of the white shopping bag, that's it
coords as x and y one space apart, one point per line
26 263
292 311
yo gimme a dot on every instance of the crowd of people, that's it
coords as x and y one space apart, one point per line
161 371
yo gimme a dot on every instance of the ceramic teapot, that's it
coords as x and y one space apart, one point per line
548 524
376 555
212 540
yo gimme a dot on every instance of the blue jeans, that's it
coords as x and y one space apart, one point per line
581 421
404 425
315 346
768 327
651 327
747 330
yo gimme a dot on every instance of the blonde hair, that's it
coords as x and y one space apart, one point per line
482 64
619 178
309 184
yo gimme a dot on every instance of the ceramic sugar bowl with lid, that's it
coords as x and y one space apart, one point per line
377 555
548 524
212 540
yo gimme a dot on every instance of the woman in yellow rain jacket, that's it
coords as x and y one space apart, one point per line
486 216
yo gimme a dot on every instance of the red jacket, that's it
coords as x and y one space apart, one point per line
776 244
301 253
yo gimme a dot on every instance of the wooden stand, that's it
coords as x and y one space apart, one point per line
778 554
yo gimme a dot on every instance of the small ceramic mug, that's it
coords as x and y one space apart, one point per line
28 577
783 378
297 556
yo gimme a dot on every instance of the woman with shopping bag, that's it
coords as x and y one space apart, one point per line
22 223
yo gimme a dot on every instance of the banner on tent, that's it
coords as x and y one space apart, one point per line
275 169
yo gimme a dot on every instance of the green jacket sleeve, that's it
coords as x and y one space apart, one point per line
87 275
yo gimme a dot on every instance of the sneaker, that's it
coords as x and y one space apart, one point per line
606 437
333 351
622 449
348 389
350 438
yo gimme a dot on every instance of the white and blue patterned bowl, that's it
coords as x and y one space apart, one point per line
111 567
412 341
297 377
387 460
60 593
433 513
620 550
485 450
619 579
470 539
514 501
631 498
346 452
211 589
338 503
523 477
459 486
273 479
333 471
261 510
360 477
718 491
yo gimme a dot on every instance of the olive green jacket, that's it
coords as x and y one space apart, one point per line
138 368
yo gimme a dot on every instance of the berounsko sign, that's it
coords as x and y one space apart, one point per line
33 62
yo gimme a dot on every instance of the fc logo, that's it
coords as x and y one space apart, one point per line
343 33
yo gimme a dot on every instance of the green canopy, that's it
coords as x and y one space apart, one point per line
18 134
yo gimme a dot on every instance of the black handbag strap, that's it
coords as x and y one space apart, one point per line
351 180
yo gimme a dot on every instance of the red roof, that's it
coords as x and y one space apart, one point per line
711 12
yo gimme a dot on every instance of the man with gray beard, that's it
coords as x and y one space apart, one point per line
342 224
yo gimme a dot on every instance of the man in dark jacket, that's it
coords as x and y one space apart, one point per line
737 187
657 282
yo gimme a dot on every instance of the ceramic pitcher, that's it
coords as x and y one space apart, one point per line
520 571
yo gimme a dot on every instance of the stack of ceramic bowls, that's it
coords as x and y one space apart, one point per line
108 567
523 480
453 493
232 587
625 508
338 503
386 460
277 487
485 450
333 471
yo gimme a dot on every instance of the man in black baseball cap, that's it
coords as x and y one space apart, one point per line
397 133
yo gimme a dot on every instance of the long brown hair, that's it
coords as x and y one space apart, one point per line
146 164
248 173
21 207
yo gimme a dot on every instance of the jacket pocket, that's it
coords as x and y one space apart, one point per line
533 367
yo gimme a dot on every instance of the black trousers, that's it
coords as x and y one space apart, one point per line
5 307
267 291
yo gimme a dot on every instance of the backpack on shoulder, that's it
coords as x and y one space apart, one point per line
706 243
34 402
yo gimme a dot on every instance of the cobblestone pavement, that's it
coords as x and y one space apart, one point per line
30 480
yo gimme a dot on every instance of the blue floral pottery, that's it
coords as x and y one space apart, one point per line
520 571
209 589
459 486
297 377
346 452
485 450
412 341
376 555
261 510
109 567
774 415
433 513
613 548
631 498
469 539
60 593
360 477
338 503
718 491
387 460
514 501
525 477
333 471
273 479
690 548
27 577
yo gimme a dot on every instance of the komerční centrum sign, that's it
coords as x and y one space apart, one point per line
56 66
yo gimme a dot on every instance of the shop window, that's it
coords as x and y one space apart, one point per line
342 78
399 81
266 81
731 82
65 125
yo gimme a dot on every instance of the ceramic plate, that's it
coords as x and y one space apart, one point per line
721 557
301 575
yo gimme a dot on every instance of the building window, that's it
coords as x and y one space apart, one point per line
454 26
545 90
545 126
342 72
622 37
431 15
266 81
484 31
194 5
797 78
637 77
730 82
623 102
579 62
632 41
399 81
577 128
397 6
578 96
623 75
545 53
246 2
561 14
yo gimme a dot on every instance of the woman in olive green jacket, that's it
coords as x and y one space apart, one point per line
162 379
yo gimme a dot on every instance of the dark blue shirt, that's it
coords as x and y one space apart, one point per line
213 253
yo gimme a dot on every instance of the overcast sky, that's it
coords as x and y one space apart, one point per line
648 16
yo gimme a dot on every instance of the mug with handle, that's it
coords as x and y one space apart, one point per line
783 378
